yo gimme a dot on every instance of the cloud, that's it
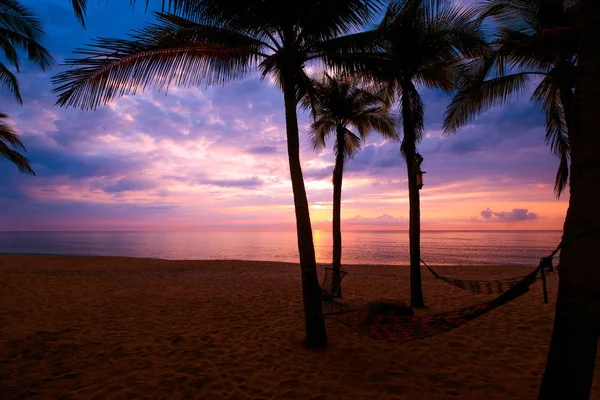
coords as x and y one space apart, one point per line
234 183
262 150
129 184
516 215
383 219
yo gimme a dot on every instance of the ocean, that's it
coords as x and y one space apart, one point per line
519 248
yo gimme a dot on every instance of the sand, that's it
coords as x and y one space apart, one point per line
116 328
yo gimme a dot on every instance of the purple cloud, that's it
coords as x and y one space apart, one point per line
262 150
130 184
516 215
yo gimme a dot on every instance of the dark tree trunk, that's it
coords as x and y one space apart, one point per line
571 359
338 173
409 149
316 334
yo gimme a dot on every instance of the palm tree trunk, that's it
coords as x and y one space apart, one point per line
316 334
338 173
416 290
409 150
572 355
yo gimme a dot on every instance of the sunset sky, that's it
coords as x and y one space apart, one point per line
215 158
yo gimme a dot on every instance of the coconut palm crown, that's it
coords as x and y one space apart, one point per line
536 42
341 102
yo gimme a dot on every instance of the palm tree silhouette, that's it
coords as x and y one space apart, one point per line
422 44
569 372
220 41
342 102
535 40
20 30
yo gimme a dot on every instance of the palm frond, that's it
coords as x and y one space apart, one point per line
9 80
471 101
80 10
340 17
184 8
308 95
20 29
19 19
9 141
174 50
562 175
10 41
376 119
513 14
320 130
351 144
547 96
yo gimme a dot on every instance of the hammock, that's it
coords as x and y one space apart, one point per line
395 329
330 289
330 286
496 286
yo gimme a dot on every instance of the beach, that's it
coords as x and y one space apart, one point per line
116 328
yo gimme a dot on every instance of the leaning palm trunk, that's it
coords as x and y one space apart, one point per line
409 150
316 334
338 173
572 355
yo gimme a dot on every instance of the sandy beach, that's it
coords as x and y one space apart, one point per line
117 328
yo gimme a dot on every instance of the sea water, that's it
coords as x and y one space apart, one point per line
359 247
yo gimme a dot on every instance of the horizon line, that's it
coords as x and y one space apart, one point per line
270 230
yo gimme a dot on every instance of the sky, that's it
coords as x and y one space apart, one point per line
215 158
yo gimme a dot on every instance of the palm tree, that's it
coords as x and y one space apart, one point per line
9 141
340 102
19 30
220 41
572 356
422 41
536 40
